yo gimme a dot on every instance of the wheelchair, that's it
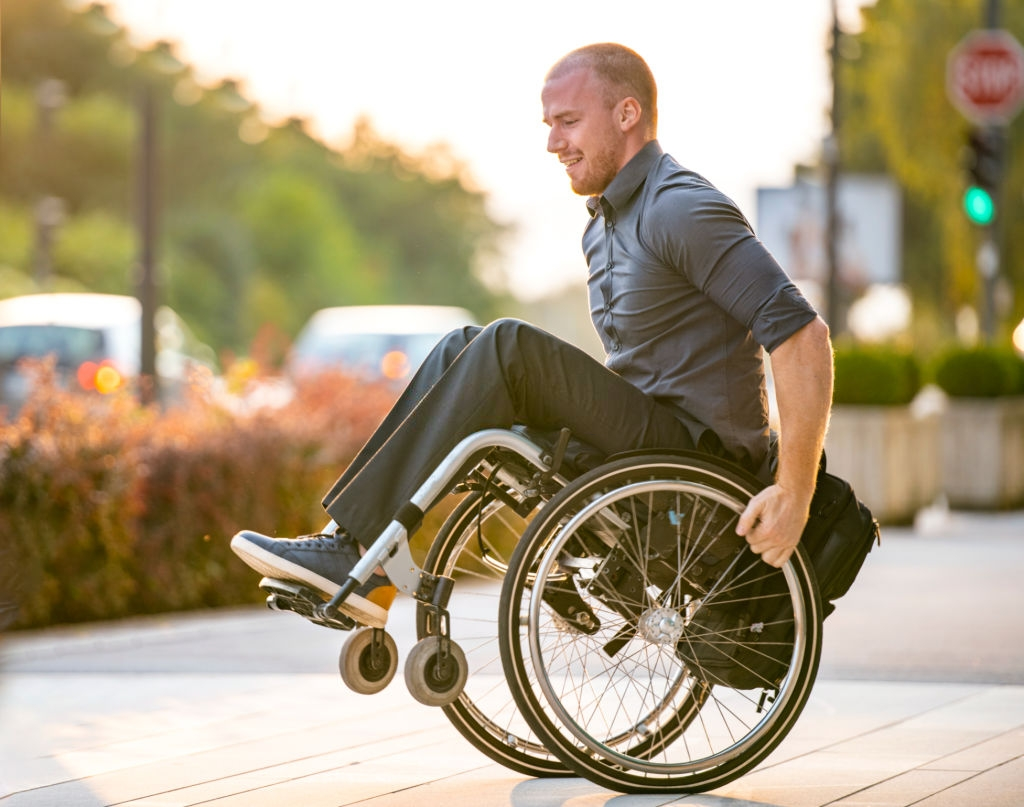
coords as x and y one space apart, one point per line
596 618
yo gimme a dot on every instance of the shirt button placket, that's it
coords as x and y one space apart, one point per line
609 233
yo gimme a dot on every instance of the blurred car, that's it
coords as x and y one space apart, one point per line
95 340
373 342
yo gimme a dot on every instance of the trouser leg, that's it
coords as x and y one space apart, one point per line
428 373
508 373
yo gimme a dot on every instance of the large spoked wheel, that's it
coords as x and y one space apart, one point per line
700 657
474 546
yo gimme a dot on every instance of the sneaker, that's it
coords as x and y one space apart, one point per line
322 562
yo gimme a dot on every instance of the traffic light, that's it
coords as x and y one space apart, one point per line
984 164
979 205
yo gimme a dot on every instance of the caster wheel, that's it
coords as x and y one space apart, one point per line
433 681
367 667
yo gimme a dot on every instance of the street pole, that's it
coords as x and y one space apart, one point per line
834 309
147 223
49 210
161 61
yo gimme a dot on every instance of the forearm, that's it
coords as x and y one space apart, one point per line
775 518
802 369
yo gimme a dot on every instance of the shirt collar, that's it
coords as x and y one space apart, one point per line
626 182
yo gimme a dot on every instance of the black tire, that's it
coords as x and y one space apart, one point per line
705 655
474 546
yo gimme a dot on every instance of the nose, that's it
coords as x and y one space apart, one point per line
555 141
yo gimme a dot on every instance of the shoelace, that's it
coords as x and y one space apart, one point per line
337 542
326 541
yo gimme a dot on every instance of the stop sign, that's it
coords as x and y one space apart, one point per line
985 76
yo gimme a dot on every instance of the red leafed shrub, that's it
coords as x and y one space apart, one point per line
109 509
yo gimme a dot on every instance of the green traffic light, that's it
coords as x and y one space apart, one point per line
979 206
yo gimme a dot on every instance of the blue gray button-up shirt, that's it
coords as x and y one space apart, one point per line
684 298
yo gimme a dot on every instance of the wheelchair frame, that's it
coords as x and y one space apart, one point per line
591 579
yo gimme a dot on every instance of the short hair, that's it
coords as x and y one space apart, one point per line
622 72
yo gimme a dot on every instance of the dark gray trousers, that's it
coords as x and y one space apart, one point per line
494 377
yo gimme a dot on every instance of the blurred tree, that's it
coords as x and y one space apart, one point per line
207 264
260 225
97 249
15 236
438 227
896 117
307 245
89 163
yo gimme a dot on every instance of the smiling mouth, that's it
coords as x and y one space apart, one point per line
570 163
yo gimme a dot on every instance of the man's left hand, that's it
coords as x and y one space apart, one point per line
772 524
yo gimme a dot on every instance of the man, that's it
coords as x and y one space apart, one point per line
684 297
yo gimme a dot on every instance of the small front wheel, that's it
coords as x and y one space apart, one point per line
368 661
434 676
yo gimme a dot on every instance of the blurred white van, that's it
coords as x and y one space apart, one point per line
374 342
95 340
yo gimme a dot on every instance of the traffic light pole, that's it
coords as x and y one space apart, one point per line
985 81
834 313
989 252
982 203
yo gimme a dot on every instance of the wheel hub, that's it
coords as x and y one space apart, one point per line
661 625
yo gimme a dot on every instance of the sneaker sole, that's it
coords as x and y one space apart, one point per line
267 563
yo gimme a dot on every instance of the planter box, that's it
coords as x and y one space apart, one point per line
890 454
983 452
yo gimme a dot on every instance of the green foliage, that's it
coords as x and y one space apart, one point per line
979 372
90 156
444 226
96 249
108 509
306 246
44 39
875 375
259 225
896 118
15 237
207 269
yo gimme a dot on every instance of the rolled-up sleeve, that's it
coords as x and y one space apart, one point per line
782 316
749 283
712 244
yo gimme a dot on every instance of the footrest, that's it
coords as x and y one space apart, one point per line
287 595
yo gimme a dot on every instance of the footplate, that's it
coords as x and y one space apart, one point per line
287 595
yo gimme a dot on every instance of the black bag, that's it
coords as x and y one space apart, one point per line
839 534
749 646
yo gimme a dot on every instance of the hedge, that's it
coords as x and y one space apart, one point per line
875 375
109 509
983 371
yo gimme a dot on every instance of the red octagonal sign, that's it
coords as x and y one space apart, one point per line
985 76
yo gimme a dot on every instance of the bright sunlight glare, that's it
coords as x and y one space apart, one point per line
743 88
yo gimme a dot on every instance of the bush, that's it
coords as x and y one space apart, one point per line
109 509
979 372
876 375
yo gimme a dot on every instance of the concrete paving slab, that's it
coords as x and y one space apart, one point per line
242 707
267 744
1001 786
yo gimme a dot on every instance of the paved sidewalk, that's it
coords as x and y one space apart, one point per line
920 702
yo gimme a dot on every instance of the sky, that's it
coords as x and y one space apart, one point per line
743 88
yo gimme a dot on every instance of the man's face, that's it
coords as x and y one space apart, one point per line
585 133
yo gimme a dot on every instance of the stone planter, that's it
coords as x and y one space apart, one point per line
983 452
890 454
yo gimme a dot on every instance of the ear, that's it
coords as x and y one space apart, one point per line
630 113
